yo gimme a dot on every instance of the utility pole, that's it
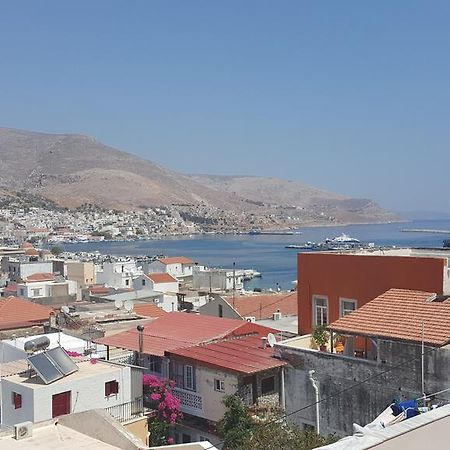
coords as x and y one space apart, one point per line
234 281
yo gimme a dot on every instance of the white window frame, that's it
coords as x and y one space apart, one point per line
189 386
342 311
315 306
219 385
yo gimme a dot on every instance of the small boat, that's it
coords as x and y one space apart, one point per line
446 243
344 239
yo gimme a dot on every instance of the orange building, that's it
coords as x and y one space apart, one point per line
330 285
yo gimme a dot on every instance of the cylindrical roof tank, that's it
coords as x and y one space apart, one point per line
33 345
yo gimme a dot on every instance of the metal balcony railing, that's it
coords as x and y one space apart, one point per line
127 411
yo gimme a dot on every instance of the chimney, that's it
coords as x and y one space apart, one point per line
140 329
264 342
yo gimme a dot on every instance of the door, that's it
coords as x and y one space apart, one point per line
61 404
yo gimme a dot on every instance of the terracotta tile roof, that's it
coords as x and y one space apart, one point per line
148 310
40 277
399 314
27 245
176 260
31 252
100 290
179 329
263 306
17 312
161 278
244 355
11 288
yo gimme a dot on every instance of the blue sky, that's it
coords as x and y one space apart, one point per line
351 96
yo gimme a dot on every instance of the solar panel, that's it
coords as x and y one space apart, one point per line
61 360
45 368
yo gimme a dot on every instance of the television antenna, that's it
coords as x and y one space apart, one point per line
271 340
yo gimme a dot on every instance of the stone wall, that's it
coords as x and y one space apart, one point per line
356 390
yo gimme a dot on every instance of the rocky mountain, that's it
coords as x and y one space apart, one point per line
71 170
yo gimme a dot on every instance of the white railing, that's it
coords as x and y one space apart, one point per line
190 402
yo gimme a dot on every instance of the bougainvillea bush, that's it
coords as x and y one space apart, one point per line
167 407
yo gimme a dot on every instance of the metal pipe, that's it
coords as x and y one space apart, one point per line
140 329
283 393
315 385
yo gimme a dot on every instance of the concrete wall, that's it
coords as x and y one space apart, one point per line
87 392
361 278
23 270
348 396
212 309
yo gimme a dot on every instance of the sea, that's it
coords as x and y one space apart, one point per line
267 253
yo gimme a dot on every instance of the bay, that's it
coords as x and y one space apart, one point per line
267 253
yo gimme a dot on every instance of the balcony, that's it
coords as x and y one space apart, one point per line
190 402
127 411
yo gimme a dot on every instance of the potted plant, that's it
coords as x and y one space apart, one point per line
321 337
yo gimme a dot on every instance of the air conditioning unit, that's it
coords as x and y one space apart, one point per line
251 319
23 430
276 316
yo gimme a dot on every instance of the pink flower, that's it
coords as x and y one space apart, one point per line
155 396
170 440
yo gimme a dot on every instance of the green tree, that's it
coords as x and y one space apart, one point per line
236 425
240 430
56 251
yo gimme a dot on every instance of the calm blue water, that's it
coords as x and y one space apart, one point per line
267 254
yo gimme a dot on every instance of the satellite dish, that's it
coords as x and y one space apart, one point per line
271 339
65 309
128 305
118 303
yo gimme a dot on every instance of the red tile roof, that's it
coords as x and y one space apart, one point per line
148 310
100 290
263 306
11 288
179 329
17 312
27 245
243 354
161 278
31 252
176 260
399 314
40 277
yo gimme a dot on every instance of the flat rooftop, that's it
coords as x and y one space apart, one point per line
86 369
57 437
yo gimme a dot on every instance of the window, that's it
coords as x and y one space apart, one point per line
36 292
183 375
111 388
189 378
143 281
16 400
186 438
320 310
220 311
127 282
155 364
347 306
202 438
267 385
219 385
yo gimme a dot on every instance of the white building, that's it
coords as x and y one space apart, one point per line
118 274
217 279
160 282
19 270
178 266
45 285
26 397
